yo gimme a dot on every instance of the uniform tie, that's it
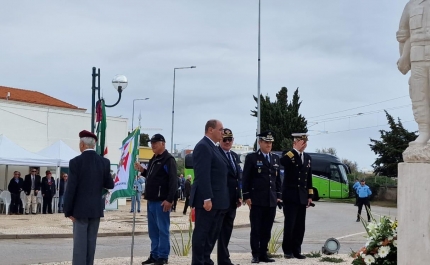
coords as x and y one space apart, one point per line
301 157
267 158
231 161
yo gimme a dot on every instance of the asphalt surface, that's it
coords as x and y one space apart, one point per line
324 221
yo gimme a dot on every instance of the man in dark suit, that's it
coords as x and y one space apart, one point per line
187 191
262 192
209 193
235 198
15 187
89 175
32 183
48 191
296 195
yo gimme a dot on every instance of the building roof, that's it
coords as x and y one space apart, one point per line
34 97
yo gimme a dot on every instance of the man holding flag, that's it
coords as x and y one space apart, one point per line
160 188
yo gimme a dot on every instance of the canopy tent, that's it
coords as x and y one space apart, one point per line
59 151
13 154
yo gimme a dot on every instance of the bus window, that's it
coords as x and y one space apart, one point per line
344 175
189 161
335 175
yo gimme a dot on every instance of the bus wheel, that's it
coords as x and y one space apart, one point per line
316 197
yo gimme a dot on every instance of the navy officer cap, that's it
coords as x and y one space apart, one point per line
157 138
266 136
300 136
227 133
86 133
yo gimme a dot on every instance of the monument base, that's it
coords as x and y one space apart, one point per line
417 154
413 213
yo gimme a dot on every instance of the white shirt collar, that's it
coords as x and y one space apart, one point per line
211 140
89 149
298 152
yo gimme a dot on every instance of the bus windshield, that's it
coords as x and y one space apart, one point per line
343 173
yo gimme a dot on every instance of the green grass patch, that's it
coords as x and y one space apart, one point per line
313 254
332 260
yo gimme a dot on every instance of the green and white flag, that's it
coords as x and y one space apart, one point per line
126 173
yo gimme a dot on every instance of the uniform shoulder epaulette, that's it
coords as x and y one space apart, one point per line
290 154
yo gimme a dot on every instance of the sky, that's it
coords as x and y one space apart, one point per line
340 54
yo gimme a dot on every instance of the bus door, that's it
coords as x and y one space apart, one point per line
335 182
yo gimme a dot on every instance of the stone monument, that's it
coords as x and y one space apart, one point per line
414 174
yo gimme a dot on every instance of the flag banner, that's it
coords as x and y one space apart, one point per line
101 148
126 174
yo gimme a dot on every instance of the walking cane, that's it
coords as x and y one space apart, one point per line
134 221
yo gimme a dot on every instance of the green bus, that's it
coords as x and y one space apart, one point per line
329 175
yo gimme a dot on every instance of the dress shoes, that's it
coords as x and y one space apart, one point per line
288 256
266 259
299 256
150 260
255 260
161 262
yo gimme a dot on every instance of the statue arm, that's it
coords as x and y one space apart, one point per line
403 37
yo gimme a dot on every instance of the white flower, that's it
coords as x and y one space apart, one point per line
383 251
390 238
368 259
371 227
395 242
376 256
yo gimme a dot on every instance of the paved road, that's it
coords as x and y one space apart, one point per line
324 221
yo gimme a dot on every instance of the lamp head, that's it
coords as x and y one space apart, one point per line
119 82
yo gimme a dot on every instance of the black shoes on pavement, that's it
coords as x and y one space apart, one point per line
151 260
255 260
292 256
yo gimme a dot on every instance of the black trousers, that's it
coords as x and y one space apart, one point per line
361 202
187 202
261 218
294 228
15 203
206 232
47 203
223 255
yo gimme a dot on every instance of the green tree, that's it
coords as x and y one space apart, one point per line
143 139
390 147
330 151
281 117
180 165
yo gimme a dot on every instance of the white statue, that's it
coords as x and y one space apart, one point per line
414 39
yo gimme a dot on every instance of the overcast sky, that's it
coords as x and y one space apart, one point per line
341 54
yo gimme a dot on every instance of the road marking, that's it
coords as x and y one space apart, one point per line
356 234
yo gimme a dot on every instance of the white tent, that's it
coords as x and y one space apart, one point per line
59 151
13 154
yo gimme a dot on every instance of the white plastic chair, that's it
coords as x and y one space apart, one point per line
23 198
39 200
5 196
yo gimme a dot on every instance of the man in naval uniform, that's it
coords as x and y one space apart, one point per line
261 192
297 195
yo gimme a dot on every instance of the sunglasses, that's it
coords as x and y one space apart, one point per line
225 140
33 171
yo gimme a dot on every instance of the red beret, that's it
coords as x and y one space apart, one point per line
86 133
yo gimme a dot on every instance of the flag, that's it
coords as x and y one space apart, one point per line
101 148
126 173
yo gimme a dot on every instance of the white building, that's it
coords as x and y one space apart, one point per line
34 121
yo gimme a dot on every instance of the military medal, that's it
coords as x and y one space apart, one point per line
259 170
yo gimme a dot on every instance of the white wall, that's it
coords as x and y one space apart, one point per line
35 127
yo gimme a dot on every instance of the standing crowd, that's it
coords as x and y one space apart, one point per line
34 186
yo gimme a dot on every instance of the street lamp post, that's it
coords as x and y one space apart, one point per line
132 118
173 102
119 82
258 78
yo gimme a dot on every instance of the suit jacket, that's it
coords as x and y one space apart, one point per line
27 183
232 178
261 179
89 175
14 187
297 185
46 188
210 176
